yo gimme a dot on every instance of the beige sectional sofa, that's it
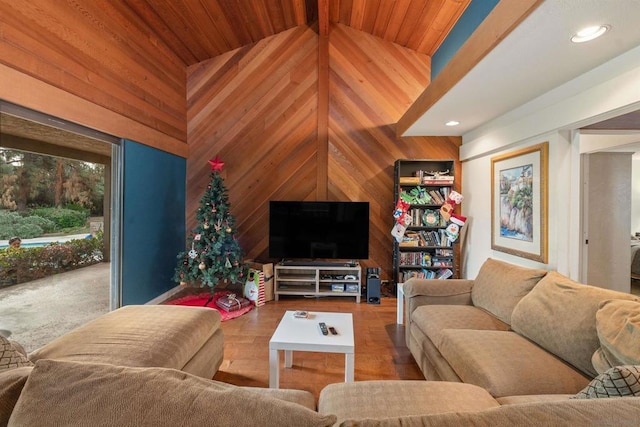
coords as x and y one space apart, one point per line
512 331
113 370
515 346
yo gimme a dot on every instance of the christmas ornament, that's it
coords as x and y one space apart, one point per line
227 263
216 164
228 230
205 225
202 266
192 253
183 283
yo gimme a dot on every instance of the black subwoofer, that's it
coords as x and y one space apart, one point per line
373 285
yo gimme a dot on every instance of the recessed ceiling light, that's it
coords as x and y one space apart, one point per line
452 123
590 33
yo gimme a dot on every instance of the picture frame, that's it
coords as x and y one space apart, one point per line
519 202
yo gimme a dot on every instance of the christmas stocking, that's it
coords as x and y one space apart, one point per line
453 229
403 220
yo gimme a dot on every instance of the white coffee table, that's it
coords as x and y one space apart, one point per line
294 334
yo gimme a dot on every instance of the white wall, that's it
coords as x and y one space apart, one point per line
607 91
476 185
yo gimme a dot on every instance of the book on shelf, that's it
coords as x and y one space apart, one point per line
410 238
438 180
436 196
410 180
444 252
415 258
444 274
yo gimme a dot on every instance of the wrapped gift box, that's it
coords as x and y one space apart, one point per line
232 302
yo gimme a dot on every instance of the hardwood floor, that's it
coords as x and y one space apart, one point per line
380 351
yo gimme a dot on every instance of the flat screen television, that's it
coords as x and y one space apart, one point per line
318 230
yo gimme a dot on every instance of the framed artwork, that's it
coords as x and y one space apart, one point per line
519 193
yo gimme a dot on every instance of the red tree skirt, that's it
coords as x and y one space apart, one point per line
200 299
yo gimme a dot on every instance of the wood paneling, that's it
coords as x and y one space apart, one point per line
257 107
89 49
417 24
372 83
125 60
199 30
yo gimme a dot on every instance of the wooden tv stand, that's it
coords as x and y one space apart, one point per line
318 280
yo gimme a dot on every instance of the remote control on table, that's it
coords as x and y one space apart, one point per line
323 328
333 330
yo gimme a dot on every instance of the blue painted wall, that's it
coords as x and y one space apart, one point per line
473 15
153 222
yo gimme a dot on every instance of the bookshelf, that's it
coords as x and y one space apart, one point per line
425 251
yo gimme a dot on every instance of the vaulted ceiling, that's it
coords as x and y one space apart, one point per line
197 30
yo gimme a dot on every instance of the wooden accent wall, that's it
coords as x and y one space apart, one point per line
85 62
256 107
372 83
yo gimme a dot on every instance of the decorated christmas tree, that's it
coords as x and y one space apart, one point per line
213 253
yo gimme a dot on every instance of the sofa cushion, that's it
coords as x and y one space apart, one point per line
381 399
507 364
11 383
165 336
499 286
11 356
616 382
560 316
61 393
433 319
567 413
618 327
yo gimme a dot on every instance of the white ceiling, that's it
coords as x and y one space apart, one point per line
536 57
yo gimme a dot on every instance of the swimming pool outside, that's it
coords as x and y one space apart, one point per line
44 241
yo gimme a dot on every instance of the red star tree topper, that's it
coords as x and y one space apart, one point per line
216 164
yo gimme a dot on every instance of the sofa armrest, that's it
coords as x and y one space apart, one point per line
419 292
458 291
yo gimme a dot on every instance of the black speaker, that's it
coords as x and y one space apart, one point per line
373 272
373 290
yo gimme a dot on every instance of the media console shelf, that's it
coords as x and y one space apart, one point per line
318 280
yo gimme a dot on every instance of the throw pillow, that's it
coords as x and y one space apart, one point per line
61 393
11 356
559 315
500 286
616 382
618 327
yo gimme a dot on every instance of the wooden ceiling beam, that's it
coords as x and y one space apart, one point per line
323 100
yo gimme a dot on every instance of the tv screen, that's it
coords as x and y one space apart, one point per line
319 230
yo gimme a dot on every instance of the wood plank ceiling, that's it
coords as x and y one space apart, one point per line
199 30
